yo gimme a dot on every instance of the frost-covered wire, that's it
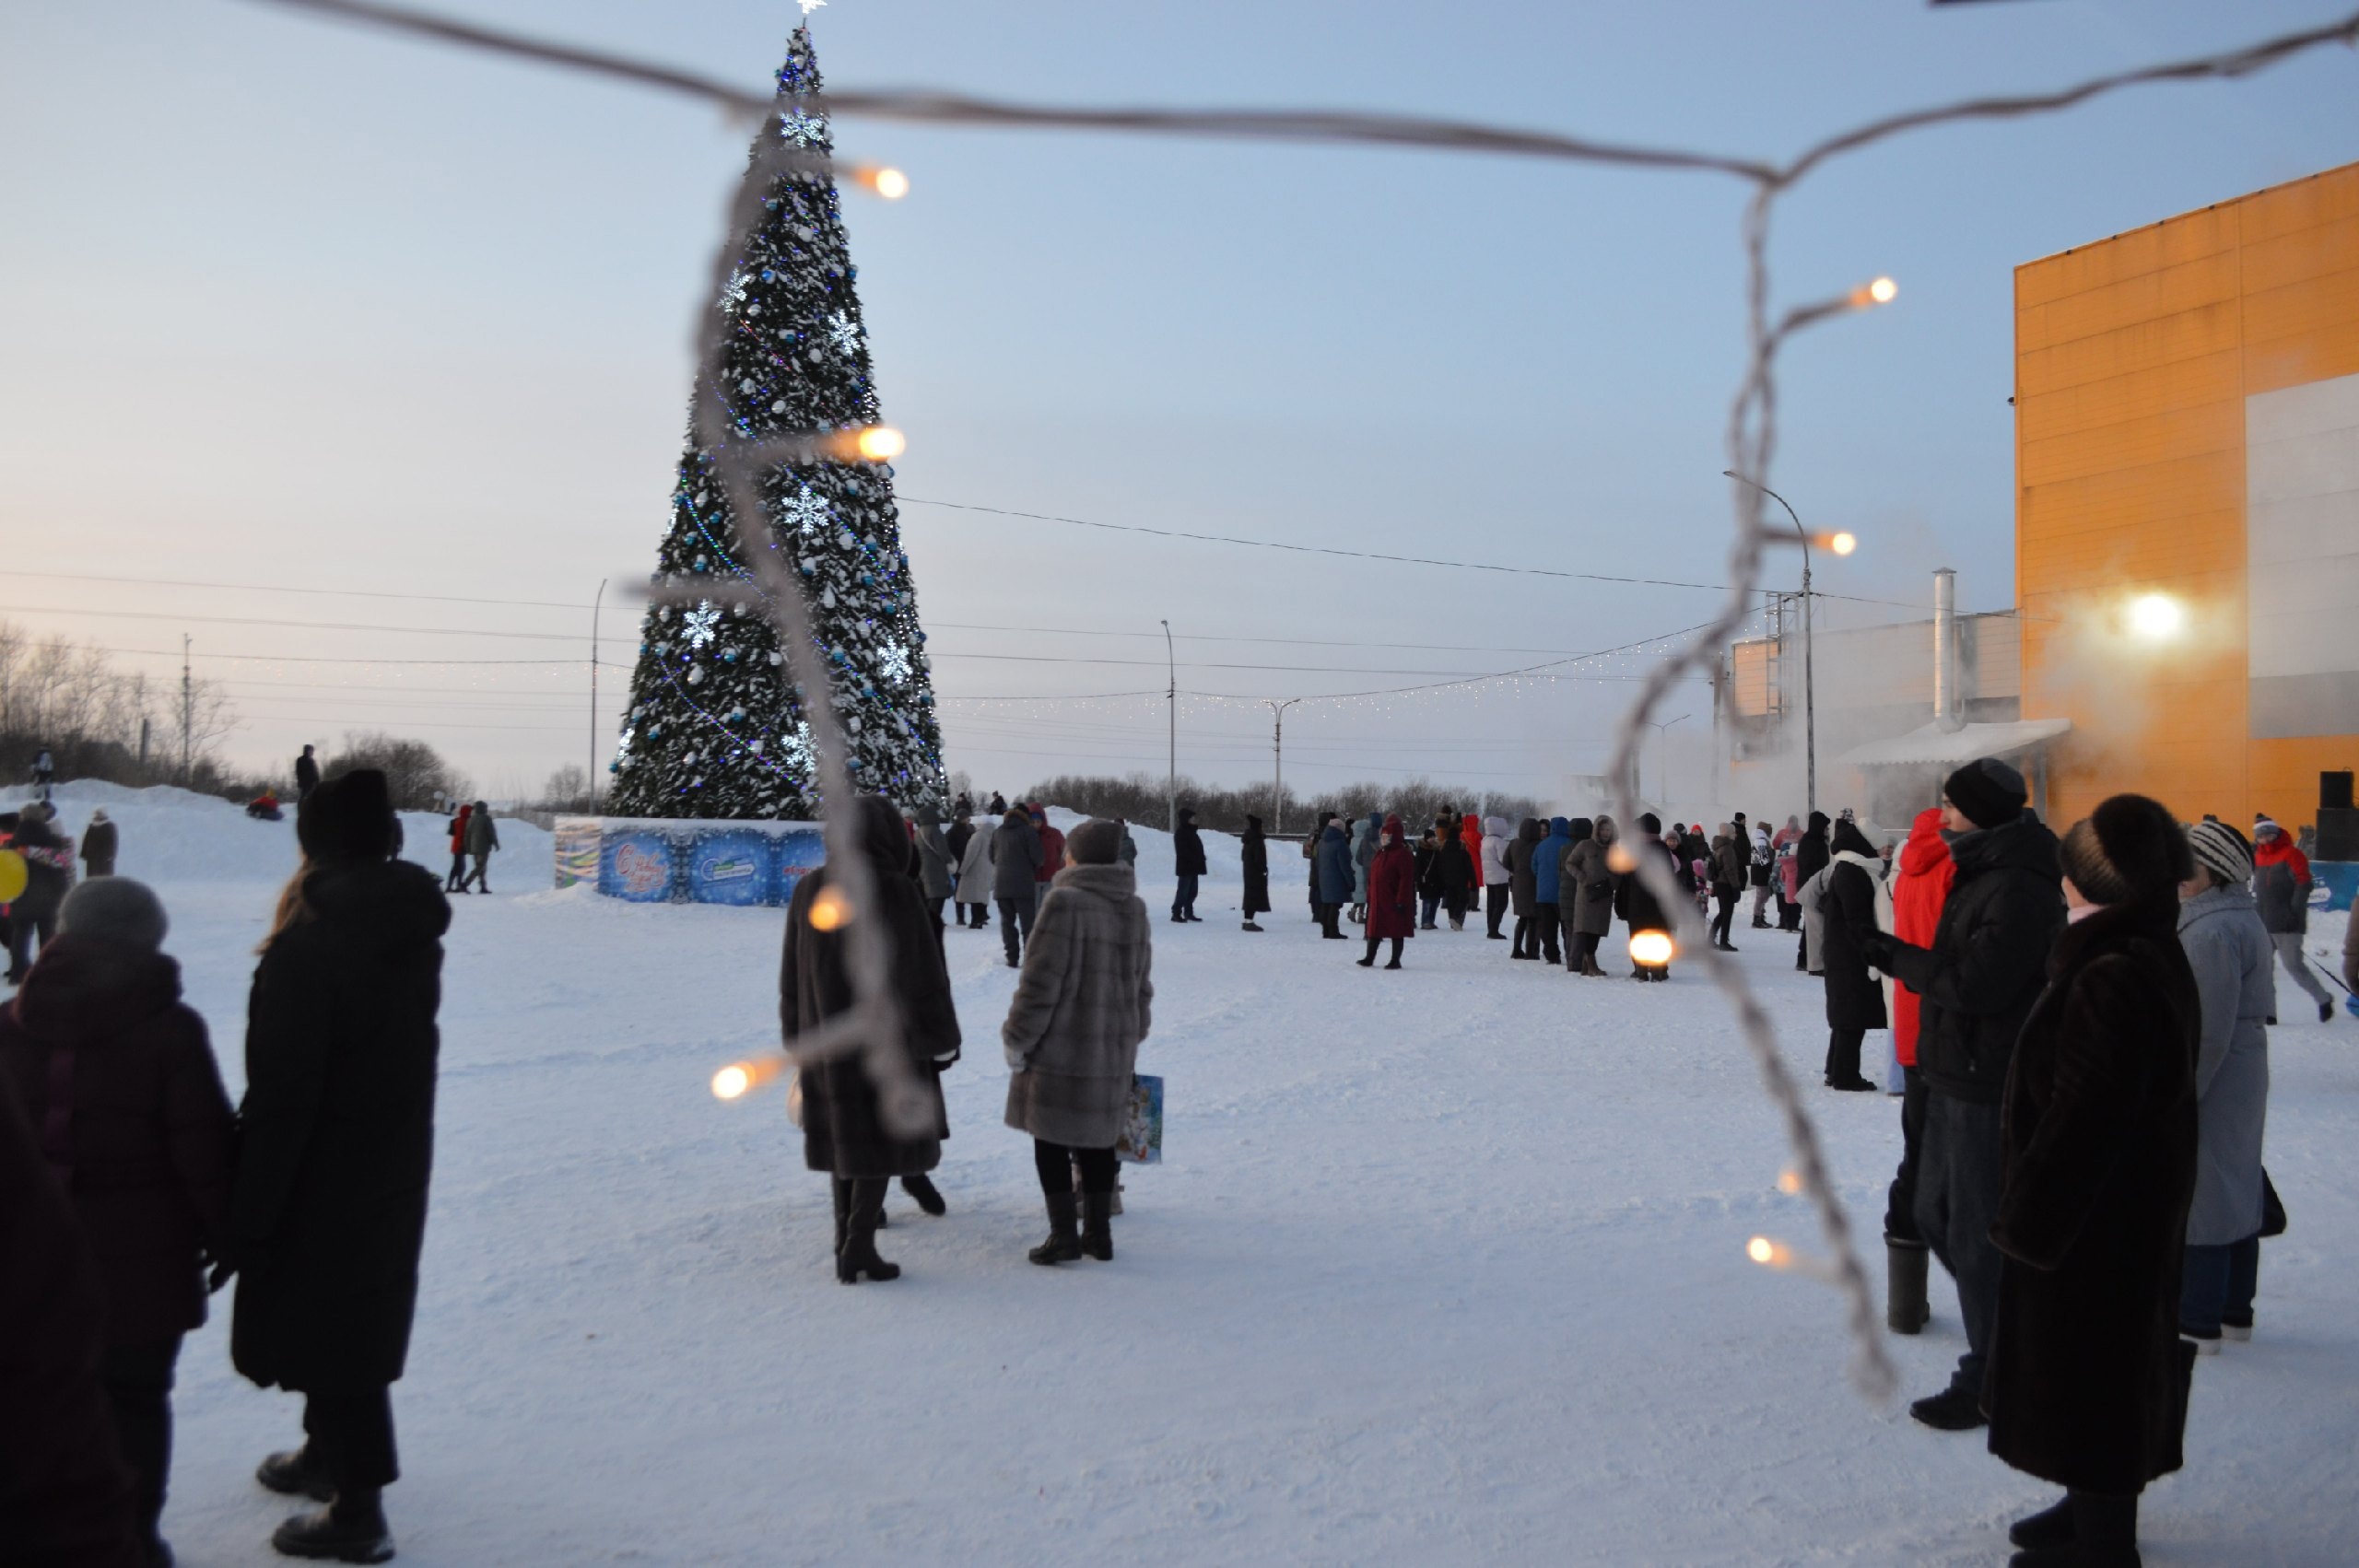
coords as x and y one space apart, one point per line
872 1025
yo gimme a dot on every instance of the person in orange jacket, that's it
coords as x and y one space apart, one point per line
454 883
1921 874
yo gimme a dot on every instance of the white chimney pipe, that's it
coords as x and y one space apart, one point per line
1949 710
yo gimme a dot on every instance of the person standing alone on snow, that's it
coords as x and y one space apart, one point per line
1391 893
98 845
1253 855
306 775
1187 865
1016 859
844 1132
2282 888
118 1075
327 1214
2088 1379
2228 950
1082 1006
1977 982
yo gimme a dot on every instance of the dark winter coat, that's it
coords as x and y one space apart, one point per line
1593 880
843 1132
328 1210
1548 860
1332 868
64 1494
957 835
1728 864
121 1083
935 862
1454 872
1848 917
1392 887
306 774
1525 844
2229 953
1016 856
2088 1381
97 848
1188 846
1422 860
48 869
1634 900
1978 982
1084 1002
1812 852
1253 858
2280 887
483 834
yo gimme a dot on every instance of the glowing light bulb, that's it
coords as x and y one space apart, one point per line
1619 860
831 910
1789 1182
1883 291
880 443
1762 1250
1652 948
889 183
1843 543
2156 616
732 1081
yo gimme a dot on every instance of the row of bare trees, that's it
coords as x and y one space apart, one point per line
99 722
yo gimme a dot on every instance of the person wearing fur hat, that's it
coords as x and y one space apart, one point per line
116 1071
2281 889
2088 1377
1084 1002
1976 986
1391 894
98 845
2228 948
327 1215
1848 913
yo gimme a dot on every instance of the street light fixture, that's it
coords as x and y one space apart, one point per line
1278 752
1810 674
1662 753
1171 661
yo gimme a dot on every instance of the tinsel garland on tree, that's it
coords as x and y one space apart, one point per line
714 727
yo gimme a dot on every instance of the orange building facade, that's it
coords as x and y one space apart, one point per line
2186 504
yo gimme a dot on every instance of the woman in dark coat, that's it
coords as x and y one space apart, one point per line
1854 996
118 1075
1253 853
1391 894
843 1128
328 1211
2088 1381
1454 876
1811 854
1520 898
1332 878
1424 859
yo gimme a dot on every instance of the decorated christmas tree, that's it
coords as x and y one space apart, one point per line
714 728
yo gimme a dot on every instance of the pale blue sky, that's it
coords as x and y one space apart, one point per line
294 303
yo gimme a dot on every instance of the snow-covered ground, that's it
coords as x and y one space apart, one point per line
1443 1267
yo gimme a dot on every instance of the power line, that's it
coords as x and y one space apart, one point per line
274 588
177 618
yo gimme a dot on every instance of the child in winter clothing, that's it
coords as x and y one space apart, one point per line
118 1075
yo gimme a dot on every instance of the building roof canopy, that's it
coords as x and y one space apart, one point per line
1933 744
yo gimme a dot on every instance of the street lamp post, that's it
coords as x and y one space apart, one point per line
595 604
1171 694
1662 753
1810 675
1278 752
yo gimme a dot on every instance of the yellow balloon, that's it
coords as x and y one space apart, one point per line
12 876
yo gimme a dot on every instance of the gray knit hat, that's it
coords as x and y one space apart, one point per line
2222 850
1096 842
114 908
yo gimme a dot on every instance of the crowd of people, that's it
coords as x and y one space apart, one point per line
2080 1029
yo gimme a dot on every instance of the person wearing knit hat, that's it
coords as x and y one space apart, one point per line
2228 949
1975 985
2088 1381
117 909
1987 792
2281 888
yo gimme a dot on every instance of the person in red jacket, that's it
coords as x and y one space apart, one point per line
455 882
1921 875
1391 893
1052 851
117 1074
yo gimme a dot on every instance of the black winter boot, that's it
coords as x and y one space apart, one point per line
1905 1310
350 1529
1951 1410
293 1474
1063 1245
843 1191
859 1254
929 1197
2105 1534
1097 1233
2048 1528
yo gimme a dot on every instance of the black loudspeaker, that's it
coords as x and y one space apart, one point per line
2334 791
2338 838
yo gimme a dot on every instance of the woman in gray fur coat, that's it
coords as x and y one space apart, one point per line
1072 1032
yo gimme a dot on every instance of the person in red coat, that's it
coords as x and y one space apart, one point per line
1921 874
1391 893
455 882
118 1075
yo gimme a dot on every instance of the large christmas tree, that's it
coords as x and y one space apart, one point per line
714 728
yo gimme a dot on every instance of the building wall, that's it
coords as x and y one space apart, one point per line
2187 423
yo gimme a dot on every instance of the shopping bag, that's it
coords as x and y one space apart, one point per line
1140 1141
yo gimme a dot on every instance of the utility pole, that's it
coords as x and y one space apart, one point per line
1278 749
1810 675
188 711
1662 753
595 604
1172 695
